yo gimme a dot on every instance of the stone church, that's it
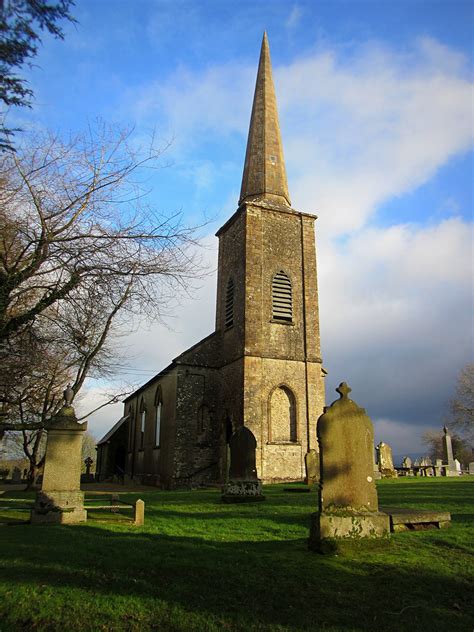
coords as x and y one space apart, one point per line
261 367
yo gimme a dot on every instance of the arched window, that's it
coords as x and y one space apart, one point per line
282 415
282 300
229 304
158 408
142 424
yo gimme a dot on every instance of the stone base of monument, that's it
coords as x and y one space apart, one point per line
242 492
60 507
417 519
347 525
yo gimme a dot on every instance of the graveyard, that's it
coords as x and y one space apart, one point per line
201 564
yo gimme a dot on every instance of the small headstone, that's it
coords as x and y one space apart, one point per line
457 465
311 461
348 503
471 468
243 484
407 462
385 460
16 476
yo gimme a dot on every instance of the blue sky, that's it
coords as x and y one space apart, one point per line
376 111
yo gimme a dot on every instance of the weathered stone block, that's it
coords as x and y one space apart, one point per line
347 525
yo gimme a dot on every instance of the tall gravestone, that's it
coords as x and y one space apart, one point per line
243 484
385 460
60 499
448 456
348 503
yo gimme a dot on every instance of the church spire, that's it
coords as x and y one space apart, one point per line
264 170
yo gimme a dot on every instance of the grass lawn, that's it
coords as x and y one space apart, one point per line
198 564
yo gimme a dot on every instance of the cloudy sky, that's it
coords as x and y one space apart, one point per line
376 111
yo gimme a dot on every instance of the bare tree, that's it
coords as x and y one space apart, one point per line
73 219
81 256
461 407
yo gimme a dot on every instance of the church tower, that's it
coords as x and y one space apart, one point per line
267 303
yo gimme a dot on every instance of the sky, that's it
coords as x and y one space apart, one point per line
376 113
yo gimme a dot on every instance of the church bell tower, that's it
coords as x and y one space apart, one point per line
267 303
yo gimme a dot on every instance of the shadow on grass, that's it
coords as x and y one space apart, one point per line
241 585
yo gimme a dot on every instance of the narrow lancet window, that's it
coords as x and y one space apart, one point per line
158 407
282 301
229 304
142 424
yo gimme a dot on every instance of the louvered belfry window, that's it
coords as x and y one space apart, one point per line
282 304
229 304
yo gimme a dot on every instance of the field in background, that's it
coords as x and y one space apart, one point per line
198 564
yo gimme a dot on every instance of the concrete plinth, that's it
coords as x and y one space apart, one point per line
347 525
242 492
58 507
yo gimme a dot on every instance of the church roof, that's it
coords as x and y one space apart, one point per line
113 430
264 174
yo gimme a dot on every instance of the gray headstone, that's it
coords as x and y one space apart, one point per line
242 446
385 460
471 467
311 461
16 475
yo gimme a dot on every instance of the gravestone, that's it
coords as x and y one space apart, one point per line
16 476
243 484
448 456
60 499
407 462
311 461
88 477
471 468
385 460
348 503
457 465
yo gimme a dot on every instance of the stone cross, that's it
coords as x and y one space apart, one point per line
88 463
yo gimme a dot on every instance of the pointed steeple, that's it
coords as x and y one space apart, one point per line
264 170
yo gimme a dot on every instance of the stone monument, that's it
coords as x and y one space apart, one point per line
60 499
348 503
243 484
448 456
385 460
311 461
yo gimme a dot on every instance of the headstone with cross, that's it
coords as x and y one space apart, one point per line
348 503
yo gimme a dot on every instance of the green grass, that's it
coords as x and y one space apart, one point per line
198 564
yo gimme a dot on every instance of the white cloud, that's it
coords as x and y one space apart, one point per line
294 17
357 131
